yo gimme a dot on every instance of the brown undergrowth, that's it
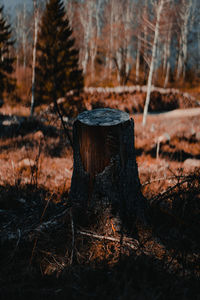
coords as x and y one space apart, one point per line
47 251
43 261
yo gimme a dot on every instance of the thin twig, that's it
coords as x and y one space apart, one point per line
63 123
52 222
160 179
73 236
160 196
17 244
37 162
36 239
33 251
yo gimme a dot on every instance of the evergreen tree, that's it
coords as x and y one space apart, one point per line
6 61
57 69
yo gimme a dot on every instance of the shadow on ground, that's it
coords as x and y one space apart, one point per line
13 126
42 257
132 277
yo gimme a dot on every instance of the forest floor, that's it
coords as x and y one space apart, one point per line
37 258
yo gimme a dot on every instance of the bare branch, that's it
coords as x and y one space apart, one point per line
132 243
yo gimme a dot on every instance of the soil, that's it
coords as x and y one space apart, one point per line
39 258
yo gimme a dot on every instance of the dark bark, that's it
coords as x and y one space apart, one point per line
105 169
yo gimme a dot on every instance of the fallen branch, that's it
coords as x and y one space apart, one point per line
7 236
53 222
132 243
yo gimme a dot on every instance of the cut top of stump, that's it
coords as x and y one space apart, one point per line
103 117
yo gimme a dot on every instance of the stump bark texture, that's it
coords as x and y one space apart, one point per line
105 170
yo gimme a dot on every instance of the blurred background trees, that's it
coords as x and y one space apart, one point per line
115 41
7 83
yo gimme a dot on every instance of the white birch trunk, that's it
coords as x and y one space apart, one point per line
166 64
111 40
167 74
17 50
180 62
153 59
165 57
97 16
167 45
128 59
85 18
145 33
119 65
199 48
138 59
95 10
185 19
36 21
24 36
185 46
128 39
85 60
93 52
121 50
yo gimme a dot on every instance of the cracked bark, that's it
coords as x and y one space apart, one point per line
105 170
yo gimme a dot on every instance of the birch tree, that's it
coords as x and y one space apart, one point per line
96 34
122 42
23 30
24 34
141 34
199 50
167 54
110 42
86 22
116 38
36 21
158 6
90 21
109 32
186 17
145 35
137 71
17 30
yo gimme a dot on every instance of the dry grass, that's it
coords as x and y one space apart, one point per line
41 260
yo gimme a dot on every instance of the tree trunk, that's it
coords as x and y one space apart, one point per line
36 21
105 170
138 59
24 37
153 60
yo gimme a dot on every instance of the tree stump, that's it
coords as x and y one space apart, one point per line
105 170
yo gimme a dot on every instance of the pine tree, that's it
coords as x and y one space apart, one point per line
6 61
57 69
